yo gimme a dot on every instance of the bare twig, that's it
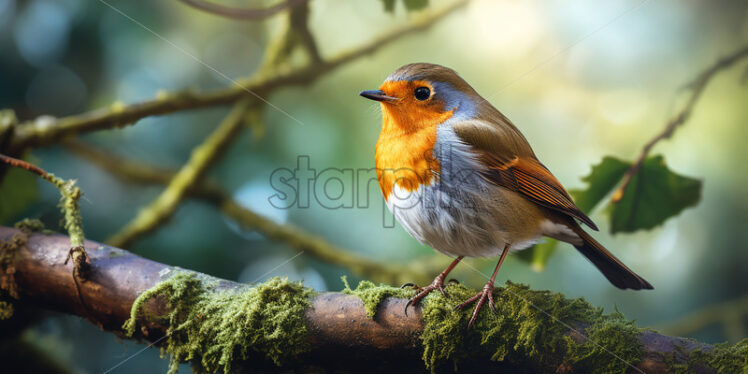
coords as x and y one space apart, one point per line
295 237
242 13
18 163
48 130
299 21
697 88
202 157
295 33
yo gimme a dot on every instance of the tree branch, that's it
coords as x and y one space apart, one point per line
203 156
299 21
130 171
70 196
241 13
336 325
47 130
697 88
295 33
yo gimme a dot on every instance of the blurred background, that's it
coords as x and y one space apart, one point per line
581 79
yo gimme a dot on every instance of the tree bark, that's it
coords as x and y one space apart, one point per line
337 323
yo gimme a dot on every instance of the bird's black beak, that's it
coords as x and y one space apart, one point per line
378 95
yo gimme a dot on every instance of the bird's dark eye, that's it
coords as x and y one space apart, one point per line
422 93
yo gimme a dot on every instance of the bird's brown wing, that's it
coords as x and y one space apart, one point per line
511 164
530 178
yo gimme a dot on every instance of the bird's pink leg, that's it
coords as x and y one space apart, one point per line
486 293
437 284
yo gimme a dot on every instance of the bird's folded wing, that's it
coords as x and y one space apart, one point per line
520 173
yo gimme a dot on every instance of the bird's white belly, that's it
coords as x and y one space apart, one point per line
460 223
461 213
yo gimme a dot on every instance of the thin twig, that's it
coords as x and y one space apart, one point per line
47 130
203 156
294 33
242 13
71 195
18 163
697 88
294 237
299 22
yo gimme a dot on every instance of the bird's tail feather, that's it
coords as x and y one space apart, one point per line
613 269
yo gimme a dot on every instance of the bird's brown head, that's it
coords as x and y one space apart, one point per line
422 95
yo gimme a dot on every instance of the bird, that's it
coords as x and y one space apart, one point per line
460 177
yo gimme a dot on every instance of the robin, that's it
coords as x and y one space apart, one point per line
460 177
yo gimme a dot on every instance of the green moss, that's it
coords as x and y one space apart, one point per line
6 310
372 294
8 254
529 326
212 328
729 359
609 335
30 225
722 359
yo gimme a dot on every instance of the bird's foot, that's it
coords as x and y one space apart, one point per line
486 293
437 284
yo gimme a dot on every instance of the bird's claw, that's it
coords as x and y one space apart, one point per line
437 284
481 297
410 284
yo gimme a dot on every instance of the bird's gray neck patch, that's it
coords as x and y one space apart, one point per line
454 99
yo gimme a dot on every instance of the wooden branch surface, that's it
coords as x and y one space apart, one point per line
337 323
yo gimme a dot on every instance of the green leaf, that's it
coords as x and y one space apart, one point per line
653 195
410 5
18 190
389 5
601 181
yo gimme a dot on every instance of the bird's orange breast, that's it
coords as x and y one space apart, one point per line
404 153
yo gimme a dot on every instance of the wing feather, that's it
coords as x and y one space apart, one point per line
515 167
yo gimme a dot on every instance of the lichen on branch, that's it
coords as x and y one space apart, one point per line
372 294
212 328
8 255
73 222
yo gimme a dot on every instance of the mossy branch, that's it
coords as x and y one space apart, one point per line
73 222
295 237
219 325
47 130
203 156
